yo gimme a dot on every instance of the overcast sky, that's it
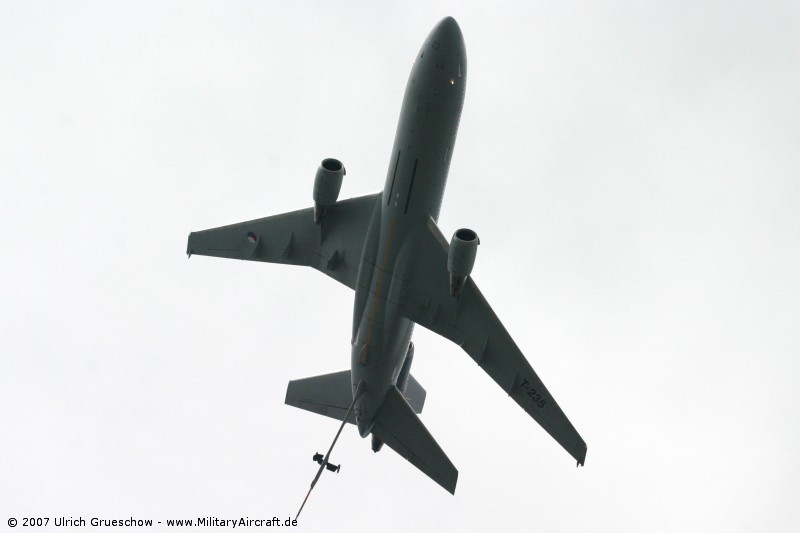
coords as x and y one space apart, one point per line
632 169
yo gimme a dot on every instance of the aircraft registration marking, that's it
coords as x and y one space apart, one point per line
537 398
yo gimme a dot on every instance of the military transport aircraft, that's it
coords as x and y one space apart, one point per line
389 250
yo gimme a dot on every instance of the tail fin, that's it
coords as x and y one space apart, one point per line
401 429
331 394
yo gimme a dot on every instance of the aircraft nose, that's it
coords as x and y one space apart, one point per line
448 35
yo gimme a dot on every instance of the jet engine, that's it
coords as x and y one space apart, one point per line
326 186
461 258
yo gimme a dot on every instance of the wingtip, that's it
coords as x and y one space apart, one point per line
451 487
581 459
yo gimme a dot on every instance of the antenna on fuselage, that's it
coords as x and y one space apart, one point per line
323 462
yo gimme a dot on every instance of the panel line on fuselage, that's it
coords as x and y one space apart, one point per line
391 188
411 186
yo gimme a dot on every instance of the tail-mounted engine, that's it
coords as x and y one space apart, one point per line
326 186
461 258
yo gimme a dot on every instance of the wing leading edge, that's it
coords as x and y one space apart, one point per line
333 247
470 322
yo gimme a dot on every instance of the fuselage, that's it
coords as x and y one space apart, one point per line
415 182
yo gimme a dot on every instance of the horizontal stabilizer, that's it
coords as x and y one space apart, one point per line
328 395
401 429
331 394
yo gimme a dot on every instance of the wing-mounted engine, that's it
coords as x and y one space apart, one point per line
327 184
461 258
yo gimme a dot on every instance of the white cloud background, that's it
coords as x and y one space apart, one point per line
633 172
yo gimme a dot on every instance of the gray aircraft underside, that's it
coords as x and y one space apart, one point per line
389 250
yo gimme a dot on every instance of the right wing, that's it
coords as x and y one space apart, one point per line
470 322
333 247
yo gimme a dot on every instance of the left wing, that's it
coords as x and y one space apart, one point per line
470 322
333 247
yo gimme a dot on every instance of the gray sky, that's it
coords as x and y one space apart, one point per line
633 172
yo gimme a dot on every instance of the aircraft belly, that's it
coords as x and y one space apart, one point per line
379 369
381 341
415 181
366 268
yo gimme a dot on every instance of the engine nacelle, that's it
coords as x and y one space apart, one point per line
327 184
461 258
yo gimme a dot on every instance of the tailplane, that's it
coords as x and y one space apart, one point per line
328 395
331 395
401 429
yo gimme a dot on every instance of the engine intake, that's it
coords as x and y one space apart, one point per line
327 184
461 258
